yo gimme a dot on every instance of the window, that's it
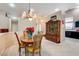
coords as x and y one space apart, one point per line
69 23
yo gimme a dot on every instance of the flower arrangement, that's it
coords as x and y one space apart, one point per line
30 31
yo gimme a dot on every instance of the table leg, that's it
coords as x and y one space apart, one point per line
25 51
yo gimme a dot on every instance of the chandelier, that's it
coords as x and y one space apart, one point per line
30 15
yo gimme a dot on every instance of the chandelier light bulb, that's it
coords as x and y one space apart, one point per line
42 21
30 19
57 9
24 14
32 10
34 16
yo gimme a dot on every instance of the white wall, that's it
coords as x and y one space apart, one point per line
4 21
23 23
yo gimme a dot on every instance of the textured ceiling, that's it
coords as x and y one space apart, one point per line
40 8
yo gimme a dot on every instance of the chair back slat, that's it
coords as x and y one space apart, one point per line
37 40
17 38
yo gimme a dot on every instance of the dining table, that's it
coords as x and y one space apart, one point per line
27 42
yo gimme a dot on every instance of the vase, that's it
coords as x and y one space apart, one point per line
30 35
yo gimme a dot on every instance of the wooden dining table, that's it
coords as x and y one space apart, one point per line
27 42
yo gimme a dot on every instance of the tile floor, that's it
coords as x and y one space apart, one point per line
68 47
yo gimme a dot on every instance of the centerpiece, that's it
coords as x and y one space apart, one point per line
30 31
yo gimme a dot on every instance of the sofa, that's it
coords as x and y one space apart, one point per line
8 44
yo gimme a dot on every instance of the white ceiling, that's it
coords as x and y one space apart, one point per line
40 8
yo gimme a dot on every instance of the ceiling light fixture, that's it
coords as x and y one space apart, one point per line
12 5
77 3
57 9
30 14
13 17
77 6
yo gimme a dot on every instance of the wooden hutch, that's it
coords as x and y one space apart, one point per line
53 30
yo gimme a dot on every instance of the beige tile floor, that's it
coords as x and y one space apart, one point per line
67 47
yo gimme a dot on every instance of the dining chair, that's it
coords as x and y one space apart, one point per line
36 47
21 44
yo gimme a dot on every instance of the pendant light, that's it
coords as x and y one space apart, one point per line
28 15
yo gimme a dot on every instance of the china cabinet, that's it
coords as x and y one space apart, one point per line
53 31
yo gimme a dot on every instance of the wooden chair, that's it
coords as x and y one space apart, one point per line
21 45
36 47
